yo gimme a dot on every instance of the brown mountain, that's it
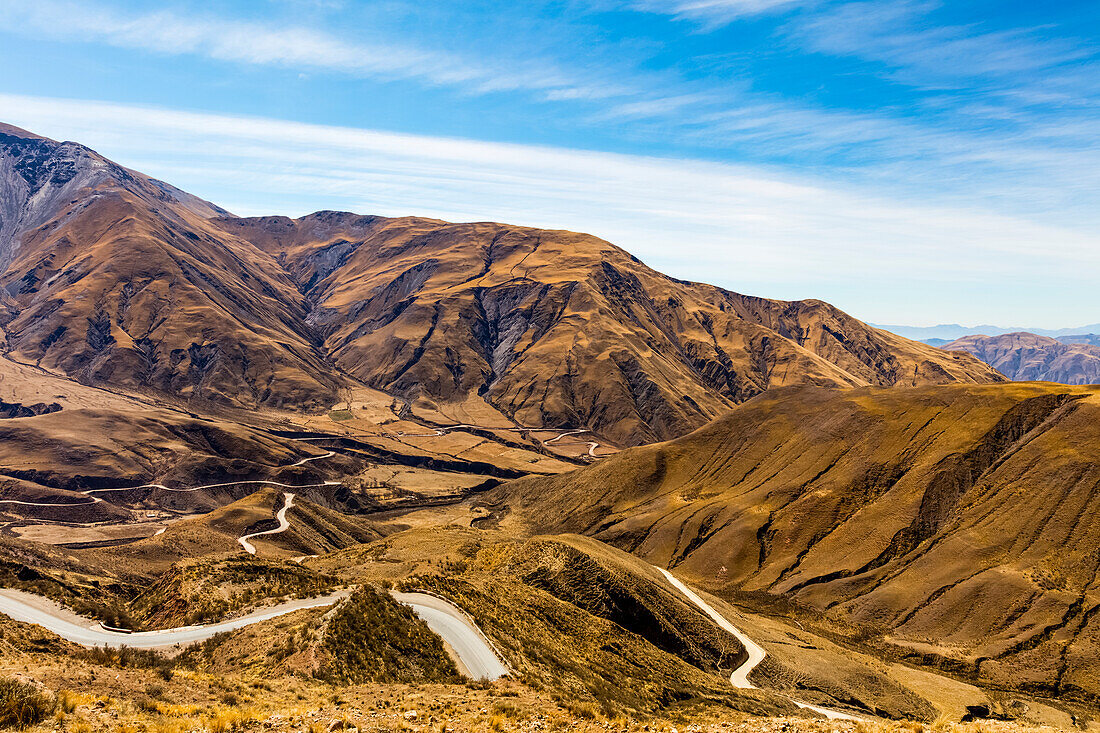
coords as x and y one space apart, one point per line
557 328
954 524
115 278
1029 357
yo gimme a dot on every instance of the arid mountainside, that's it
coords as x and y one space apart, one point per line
555 328
1025 357
1091 339
955 522
112 277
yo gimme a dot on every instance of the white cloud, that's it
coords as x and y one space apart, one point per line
297 48
747 228
900 35
717 12
1022 162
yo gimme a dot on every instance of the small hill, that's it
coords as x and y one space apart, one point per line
1029 357
207 591
314 530
1091 339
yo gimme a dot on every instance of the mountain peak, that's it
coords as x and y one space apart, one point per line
13 131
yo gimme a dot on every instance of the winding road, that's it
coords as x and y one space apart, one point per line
471 649
472 652
33 609
284 525
740 676
96 499
304 461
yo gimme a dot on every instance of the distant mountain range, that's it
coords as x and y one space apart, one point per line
950 331
1025 357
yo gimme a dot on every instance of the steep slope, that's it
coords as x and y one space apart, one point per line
115 278
954 521
39 177
556 328
1029 357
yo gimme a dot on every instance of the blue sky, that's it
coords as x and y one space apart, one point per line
911 161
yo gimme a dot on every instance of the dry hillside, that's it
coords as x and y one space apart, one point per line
113 277
556 328
116 279
953 521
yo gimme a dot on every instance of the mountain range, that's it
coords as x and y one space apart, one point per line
1030 357
946 332
113 278
205 415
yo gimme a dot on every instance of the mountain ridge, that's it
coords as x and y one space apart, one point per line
1030 357
520 314
115 278
952 331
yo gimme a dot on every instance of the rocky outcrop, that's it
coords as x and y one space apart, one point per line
18 409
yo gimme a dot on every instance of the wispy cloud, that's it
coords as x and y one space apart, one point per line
293 47
744 227
900 35
715 13
989 125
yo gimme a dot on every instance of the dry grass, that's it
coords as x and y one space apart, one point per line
23 704
790 493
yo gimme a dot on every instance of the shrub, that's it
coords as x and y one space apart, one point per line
583 710
127 657
507 709
371 637
22 704
67 701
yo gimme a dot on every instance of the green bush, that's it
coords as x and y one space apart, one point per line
22 705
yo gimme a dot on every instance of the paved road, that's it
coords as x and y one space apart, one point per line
562 435
474 654
215 486
20 502
740 676
284 524
473 650
304 461
96 499
33 609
